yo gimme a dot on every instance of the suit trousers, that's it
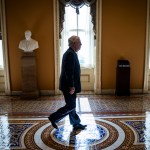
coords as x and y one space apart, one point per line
69 108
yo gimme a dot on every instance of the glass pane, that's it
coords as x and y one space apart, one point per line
83 12
72 17
83 54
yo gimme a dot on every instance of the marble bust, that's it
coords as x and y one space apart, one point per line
28 44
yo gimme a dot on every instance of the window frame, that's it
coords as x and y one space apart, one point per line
58 19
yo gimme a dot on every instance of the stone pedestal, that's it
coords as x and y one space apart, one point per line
29 77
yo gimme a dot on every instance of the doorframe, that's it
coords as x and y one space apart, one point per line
147 50
56 45
97 84
5 48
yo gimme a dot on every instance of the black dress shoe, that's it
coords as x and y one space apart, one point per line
79 126
53 123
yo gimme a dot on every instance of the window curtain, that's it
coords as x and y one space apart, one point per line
0 36
76 4
1 52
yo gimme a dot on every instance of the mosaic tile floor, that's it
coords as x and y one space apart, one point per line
113 123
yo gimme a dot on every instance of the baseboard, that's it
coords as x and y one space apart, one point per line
16 93
136 91
108 91
86 93
97 91
112 91
103 92
47 92
41 92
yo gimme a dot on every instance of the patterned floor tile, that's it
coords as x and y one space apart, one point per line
118 133
98 104
113 122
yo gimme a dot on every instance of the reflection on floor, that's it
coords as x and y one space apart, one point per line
119 123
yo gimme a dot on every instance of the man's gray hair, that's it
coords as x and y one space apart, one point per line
72 40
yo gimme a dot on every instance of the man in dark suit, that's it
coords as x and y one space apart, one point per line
69 85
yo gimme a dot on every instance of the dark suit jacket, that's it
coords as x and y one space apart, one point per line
70 72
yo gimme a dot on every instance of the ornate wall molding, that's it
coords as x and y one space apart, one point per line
77 4
97 85
56 45
5 50
147 50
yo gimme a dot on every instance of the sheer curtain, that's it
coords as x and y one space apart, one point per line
82 26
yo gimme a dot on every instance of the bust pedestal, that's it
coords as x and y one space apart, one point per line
29 77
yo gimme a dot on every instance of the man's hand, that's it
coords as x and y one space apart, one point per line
71 90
